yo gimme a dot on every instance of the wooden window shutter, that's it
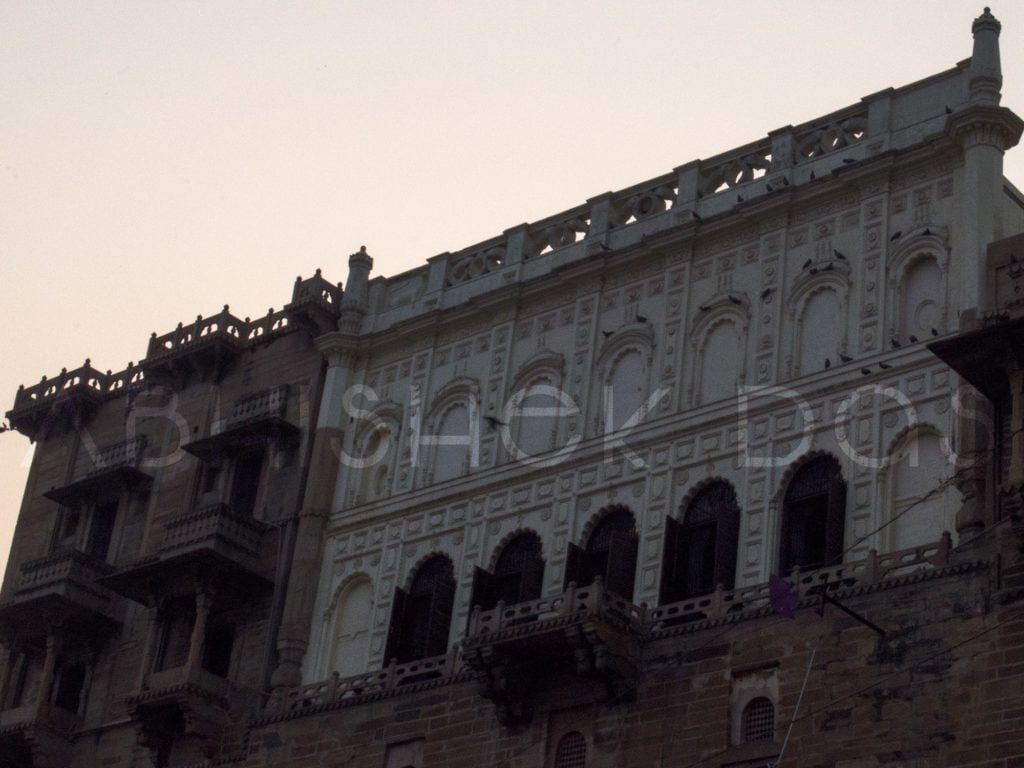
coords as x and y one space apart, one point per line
836 523
670 591
532 584
727 539
621 569
392 649
576 566
441 602
483 589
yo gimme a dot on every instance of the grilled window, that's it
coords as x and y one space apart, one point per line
758 721
571 751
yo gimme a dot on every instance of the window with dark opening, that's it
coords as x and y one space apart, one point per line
758 721
571 751
68 683
421 617
67 529
700 551
610 553
220 641
813 516
179 616
518 574
101 529
245 484
28 667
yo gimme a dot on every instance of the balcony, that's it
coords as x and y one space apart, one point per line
254 421
54 405
37 735
61 588
185 704
315 304
392 680
212 543
116 467
206 346
512 648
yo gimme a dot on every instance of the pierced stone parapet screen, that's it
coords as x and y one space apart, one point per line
474 263
734 171
830 136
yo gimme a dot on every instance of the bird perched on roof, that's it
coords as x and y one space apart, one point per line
608 334
845 358
828 363
495 422
734 300
884 366
838 255
895 236
866 371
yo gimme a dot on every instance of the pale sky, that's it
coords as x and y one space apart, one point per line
161 159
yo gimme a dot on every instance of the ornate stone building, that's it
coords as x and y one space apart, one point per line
528 505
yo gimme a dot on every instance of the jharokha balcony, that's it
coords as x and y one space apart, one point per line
212 545
60 589
513 647
602 636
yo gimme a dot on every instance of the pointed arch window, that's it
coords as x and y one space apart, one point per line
421 618
518 574
610 553
814 516
700 551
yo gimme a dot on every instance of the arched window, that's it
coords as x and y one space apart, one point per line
921 299
610 553
919 510
535 418
721 363
352 628
821 331
571 751
814 516
421 618
518 574
628 387
758 721
451 454
700 552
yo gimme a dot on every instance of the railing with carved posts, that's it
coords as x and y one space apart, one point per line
390 679
593 599
316 290
581 601
215 522
873 570
64 565
268 403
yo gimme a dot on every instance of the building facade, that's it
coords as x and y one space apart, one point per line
717 469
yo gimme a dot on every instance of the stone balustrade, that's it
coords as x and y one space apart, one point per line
874 570
63 565
210 525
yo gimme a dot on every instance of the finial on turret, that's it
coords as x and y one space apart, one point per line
986 78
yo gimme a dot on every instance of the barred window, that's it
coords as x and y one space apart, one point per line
572 751
758 720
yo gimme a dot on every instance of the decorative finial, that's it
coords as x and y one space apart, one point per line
318 271
87 362
225 307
